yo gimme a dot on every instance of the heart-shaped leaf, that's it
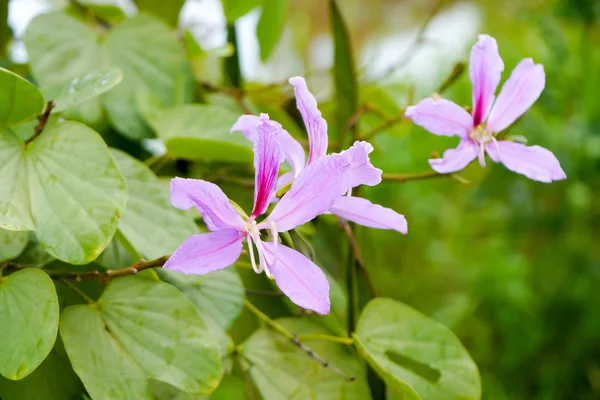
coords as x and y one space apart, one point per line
19 98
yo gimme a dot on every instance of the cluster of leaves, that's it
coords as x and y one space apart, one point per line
81 313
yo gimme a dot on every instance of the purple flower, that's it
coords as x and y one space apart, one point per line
355 209
478 132
313 192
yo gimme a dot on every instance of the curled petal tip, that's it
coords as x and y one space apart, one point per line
410 112
294 80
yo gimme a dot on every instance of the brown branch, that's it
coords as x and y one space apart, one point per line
386 124
401 178
102 276
42 121
357 253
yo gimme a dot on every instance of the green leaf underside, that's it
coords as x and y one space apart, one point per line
281 371
271 26
418 357
28 321
142 47
150 223
12 244
201 132
19 98
218 296
66 185
140 329
78 90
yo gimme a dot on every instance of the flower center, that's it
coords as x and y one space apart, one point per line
480 135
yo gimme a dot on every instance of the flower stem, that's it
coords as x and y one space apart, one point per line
294 339
401 178
328 338
42 121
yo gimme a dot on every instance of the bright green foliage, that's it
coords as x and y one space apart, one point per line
271 25
143 48
19 99
28 321
67 174
12 243
80 89
236 8
201 132
418 357
150 223
281 371
177 349
168 11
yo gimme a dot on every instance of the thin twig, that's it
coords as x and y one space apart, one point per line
383 126
235 93
294 339
102 276
327 338
42 121
401 178
357 253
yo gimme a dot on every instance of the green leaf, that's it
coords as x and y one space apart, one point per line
108 13
140 329
19 98
166 10
150 223
234 9
12 244
282 371
271 25
143 48
344 71
54 379
34 254
5 33
28 321
14 199
201 132
218 296
78 90
418 357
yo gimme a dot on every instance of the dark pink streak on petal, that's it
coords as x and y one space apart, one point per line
267 157
485 69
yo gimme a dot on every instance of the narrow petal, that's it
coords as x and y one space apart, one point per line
362 172
299 278
485 69
291 148
534 162
316 126
363 212
267 157
455 159
201 254
209 200
520 91
312 193
441 117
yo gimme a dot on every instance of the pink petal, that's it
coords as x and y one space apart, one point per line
312 193
362 172
316 126
363 212
267 157
520 91
485 69
201 254
292 150
535 162
299 278
441 117
455 159
209 200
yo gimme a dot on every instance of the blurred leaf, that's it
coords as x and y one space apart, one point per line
5 33
150 223
231 387
234 9
78 90
343 70
302 245
34 254
166 10
418 357
54 379
19 98
115 360
201 132
281 370
28 321
271 25
143 48
115 255
218 296
108 13
12 244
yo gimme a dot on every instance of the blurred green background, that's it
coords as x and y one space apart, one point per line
512 266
